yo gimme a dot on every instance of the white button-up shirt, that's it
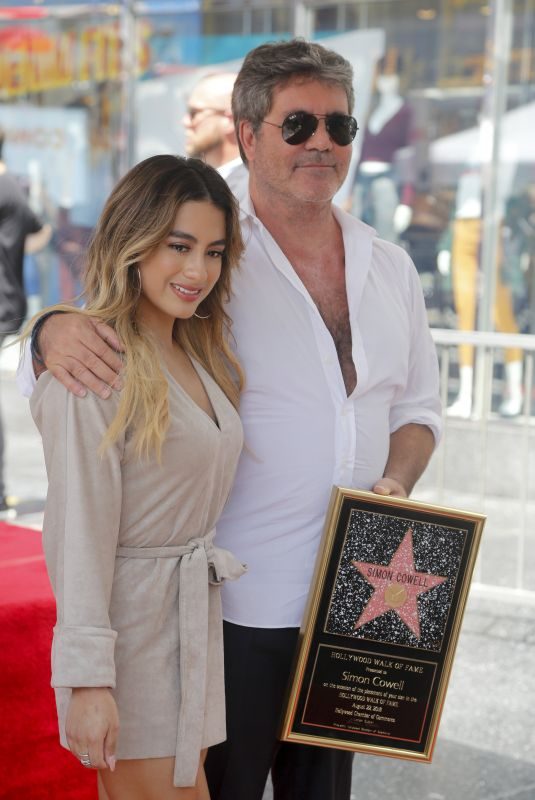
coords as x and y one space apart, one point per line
302 432
236 175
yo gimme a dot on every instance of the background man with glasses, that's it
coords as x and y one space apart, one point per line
341 388
210 133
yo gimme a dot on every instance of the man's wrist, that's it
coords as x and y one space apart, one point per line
34 337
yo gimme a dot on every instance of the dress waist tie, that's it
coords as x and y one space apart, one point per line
200 564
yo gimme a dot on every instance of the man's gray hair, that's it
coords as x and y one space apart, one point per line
276 64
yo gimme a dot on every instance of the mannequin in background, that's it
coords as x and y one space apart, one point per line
376 194
463 261
210 133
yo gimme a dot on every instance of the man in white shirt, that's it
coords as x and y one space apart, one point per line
210 133
341 388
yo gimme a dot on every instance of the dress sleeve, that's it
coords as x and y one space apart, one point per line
81 528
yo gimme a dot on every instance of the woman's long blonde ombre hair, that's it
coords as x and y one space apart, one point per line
137 217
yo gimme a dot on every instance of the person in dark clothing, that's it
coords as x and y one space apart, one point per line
19 228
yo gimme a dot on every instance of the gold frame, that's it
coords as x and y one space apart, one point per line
433 664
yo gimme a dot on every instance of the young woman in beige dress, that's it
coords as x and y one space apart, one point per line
136 485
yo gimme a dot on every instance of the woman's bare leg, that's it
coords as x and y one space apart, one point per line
201 785
149 779
102 793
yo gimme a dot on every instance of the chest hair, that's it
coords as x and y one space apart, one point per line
327 287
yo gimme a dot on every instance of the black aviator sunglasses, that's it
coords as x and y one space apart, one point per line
299 126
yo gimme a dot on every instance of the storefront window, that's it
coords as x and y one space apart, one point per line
443 162
425 85
60 109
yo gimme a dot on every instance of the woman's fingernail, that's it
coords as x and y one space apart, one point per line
111 762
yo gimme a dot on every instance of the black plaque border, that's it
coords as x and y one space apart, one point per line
314 634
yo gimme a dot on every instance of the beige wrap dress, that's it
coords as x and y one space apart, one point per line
130 554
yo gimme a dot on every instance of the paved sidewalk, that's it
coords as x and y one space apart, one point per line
486 743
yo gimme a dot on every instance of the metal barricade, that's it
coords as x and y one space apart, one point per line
486 462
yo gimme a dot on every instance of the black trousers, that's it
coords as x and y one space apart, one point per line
257 668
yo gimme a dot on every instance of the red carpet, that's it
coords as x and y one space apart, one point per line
33 765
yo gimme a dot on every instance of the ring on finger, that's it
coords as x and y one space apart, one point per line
85 761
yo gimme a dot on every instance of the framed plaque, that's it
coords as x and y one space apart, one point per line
381 625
